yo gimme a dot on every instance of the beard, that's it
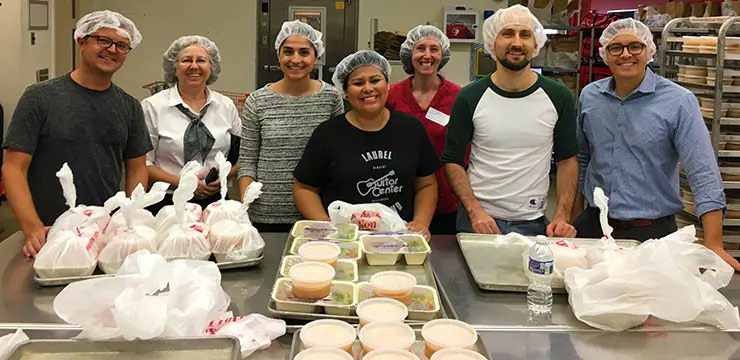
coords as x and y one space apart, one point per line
511 65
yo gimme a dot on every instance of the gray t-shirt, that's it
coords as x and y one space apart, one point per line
60 121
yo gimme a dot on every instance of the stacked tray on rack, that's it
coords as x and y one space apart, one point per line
353 258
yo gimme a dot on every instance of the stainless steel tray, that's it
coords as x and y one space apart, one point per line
498 270
98 273
196 348
424 276
417 348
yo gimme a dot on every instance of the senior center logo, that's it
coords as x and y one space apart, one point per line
381 186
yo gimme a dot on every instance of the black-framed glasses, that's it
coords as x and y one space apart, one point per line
106 42
634 48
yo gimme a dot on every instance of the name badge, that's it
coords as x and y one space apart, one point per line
438 116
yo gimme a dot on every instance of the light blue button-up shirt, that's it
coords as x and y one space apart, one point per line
631 149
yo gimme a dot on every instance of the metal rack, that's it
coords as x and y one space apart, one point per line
672 53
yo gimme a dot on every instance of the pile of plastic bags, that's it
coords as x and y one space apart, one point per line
370 217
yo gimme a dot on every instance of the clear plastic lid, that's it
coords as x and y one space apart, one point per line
448 333
393 280
382 309
319 251
312 272
387 354
387 335
328 333
323 353
457 354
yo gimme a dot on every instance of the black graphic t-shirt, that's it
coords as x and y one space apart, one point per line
358 166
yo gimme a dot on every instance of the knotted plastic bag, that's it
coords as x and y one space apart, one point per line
230 209
70 253
140 199
370 217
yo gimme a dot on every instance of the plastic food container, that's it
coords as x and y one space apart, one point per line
424 304
387 249
692 70
381 309
349 250
328 333
387 354
342 298
311 280
386 335
447 333
457 354
397 285
345 270
323 353
324 229
320 251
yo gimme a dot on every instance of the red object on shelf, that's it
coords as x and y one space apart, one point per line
598 73
459 31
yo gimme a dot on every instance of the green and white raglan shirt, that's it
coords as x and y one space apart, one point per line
512 136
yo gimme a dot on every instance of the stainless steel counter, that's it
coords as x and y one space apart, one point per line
501 317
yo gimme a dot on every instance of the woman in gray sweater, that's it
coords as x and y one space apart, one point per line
277 121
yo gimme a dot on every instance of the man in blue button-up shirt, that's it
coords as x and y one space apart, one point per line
633 129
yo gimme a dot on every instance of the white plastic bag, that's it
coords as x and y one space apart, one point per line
230 209
662 278
565 255
140 199
606 248
166 216
234 241
254 331
370 217
77 216
68 253
123 242
10 341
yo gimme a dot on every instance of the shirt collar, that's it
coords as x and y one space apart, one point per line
646 86
176 99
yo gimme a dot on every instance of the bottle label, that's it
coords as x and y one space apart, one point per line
541 267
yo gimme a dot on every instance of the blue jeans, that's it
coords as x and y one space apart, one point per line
524 227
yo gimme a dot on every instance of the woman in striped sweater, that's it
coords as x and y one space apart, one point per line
277 121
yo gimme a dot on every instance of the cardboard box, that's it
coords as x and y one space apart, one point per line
564 44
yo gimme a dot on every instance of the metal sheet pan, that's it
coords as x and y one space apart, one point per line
498 270
98 273
196 348
424 276
417 348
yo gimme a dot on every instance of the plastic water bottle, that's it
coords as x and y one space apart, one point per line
541 263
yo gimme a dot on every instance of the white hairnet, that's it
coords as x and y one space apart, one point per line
513 15
169 58
108 19
353 61
627 27
297 27
417 34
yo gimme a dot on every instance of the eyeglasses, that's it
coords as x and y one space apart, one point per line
105 42
634 48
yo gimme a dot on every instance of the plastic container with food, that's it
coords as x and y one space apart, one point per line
340 301
711 81
311 280
345 270
348 250
328 333
324 229
692 70
447 333
323 353
388 354
393 284
424 302
387 249
381 309
319 251
457 354
386 335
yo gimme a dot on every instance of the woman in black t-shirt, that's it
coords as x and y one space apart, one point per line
370 154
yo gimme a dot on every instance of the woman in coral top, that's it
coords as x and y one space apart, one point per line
429 97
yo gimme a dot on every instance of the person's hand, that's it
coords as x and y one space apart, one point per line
205 191
726 257
35 240
483 223
420 228
560 228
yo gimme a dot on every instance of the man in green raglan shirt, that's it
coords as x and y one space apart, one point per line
513 120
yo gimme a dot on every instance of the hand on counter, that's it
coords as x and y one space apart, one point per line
483 223
420 228
560 228
726 257
35 240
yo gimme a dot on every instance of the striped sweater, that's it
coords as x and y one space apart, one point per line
275 130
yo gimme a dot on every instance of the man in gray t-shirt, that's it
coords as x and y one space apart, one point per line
83 119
